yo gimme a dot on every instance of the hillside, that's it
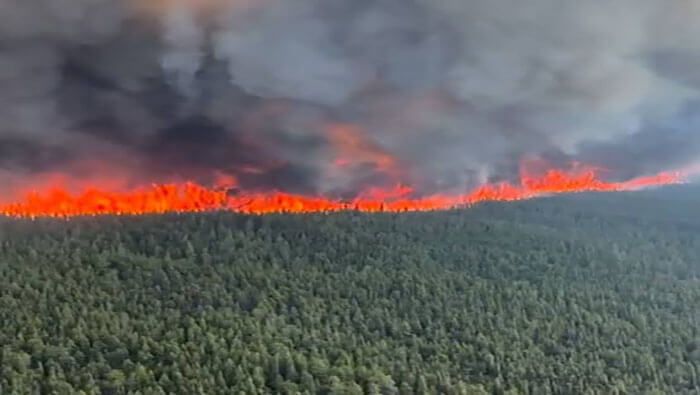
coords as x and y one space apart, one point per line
585 294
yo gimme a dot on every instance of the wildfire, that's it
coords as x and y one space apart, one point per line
354 149
190 197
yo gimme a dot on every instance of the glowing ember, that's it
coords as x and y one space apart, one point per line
190 197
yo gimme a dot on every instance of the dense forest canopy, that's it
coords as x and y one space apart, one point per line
589 294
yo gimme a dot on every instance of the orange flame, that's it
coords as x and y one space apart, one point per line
190 197
353 148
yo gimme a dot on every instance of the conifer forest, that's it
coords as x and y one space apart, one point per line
580 294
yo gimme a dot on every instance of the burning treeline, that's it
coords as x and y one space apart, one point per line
326 105
191 197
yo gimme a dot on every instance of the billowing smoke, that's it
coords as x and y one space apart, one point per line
327 95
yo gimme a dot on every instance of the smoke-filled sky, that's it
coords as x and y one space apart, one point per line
327 95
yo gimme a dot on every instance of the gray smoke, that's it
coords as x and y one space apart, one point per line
183 40
457 92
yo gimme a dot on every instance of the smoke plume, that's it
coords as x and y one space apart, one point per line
329 95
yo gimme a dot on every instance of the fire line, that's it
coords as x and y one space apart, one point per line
191 197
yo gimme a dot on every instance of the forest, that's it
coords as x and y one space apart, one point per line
580 294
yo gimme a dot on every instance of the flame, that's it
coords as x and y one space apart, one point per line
354 149
191 197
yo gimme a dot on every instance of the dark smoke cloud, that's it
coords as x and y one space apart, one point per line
663 145
457 91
